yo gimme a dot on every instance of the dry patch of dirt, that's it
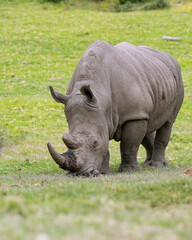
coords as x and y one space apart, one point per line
188 171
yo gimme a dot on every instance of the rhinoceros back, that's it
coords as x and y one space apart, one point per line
151 85
131 83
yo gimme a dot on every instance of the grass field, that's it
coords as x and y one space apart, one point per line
40 46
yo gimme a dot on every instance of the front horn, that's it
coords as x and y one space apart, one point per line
61 160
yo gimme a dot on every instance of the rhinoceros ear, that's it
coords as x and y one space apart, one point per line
58 97
86 91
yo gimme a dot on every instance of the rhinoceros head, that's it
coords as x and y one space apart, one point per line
87 140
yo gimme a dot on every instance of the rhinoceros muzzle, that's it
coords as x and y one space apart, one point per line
68 160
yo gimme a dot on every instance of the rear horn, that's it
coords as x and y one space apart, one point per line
71 142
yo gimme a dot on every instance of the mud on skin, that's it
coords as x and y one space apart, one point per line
128 93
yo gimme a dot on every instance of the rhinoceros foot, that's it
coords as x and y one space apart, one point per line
155 163
129 168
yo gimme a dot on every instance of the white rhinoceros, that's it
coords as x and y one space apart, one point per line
121 92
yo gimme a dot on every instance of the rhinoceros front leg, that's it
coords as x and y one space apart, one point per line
105 165
133 133
160 144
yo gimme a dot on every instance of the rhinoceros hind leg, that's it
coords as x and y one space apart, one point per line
105 165
148 144
160 144
133 133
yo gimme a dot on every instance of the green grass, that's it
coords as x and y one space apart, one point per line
40 46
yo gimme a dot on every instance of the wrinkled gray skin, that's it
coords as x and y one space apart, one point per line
121 92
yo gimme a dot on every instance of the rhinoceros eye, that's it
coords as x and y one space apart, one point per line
94 145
